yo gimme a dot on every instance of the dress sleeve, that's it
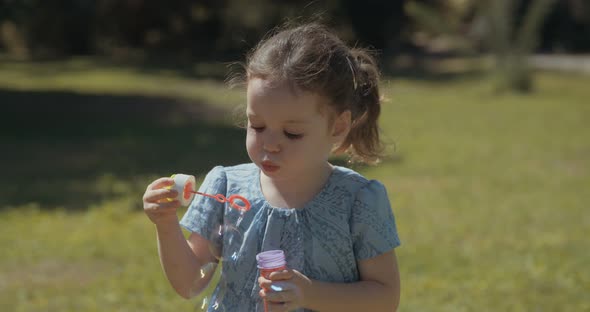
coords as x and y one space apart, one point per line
372 222
205 214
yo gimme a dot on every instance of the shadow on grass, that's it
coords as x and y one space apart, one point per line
64 149
210 69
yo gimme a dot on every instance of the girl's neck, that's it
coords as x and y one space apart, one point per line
295 192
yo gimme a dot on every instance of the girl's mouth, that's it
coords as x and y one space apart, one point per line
268 166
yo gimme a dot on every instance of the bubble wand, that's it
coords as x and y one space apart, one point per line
186 187
231 200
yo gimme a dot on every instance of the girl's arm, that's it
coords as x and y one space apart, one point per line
184 261
378 289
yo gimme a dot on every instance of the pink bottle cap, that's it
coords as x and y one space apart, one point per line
271 259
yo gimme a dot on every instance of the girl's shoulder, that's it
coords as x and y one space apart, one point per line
240 178
345 174
241 169
247 170
350 179
357 184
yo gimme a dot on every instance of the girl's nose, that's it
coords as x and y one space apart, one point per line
271 144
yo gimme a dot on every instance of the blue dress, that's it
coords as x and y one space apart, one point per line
350 219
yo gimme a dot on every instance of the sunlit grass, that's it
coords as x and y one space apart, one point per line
489 191
489 194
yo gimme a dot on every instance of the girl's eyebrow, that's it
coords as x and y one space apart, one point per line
297 122
290 121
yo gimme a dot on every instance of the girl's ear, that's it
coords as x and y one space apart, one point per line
341 126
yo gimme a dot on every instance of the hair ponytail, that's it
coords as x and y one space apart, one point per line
363 143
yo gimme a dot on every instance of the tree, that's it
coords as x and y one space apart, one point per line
508 29
511 41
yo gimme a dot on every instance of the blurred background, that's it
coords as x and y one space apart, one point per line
487 116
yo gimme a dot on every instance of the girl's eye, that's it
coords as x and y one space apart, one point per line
257 129
293 136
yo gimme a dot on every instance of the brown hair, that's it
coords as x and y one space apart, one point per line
311 58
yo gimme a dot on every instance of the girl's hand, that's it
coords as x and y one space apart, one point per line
156 203
285 290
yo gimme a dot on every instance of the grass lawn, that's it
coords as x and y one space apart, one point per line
490 192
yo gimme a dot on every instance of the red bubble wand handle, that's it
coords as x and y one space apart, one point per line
231 200
185 185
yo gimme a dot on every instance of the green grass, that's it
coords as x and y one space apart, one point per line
490 195
489 191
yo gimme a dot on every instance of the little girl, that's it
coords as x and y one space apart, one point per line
308 96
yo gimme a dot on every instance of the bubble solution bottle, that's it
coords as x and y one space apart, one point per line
270 261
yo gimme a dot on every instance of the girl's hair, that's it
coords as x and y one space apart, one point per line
311 58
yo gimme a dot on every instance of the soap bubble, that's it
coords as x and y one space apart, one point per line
217 303
203 278
204 303
225 242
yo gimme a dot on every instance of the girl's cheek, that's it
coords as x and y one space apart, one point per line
251 143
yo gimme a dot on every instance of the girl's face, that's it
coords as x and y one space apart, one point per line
287 135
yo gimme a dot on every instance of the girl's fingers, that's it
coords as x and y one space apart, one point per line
162 206
153 196
263 282
160 183
280 296
281 275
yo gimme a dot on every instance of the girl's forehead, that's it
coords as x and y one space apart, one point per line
258 87
263 95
